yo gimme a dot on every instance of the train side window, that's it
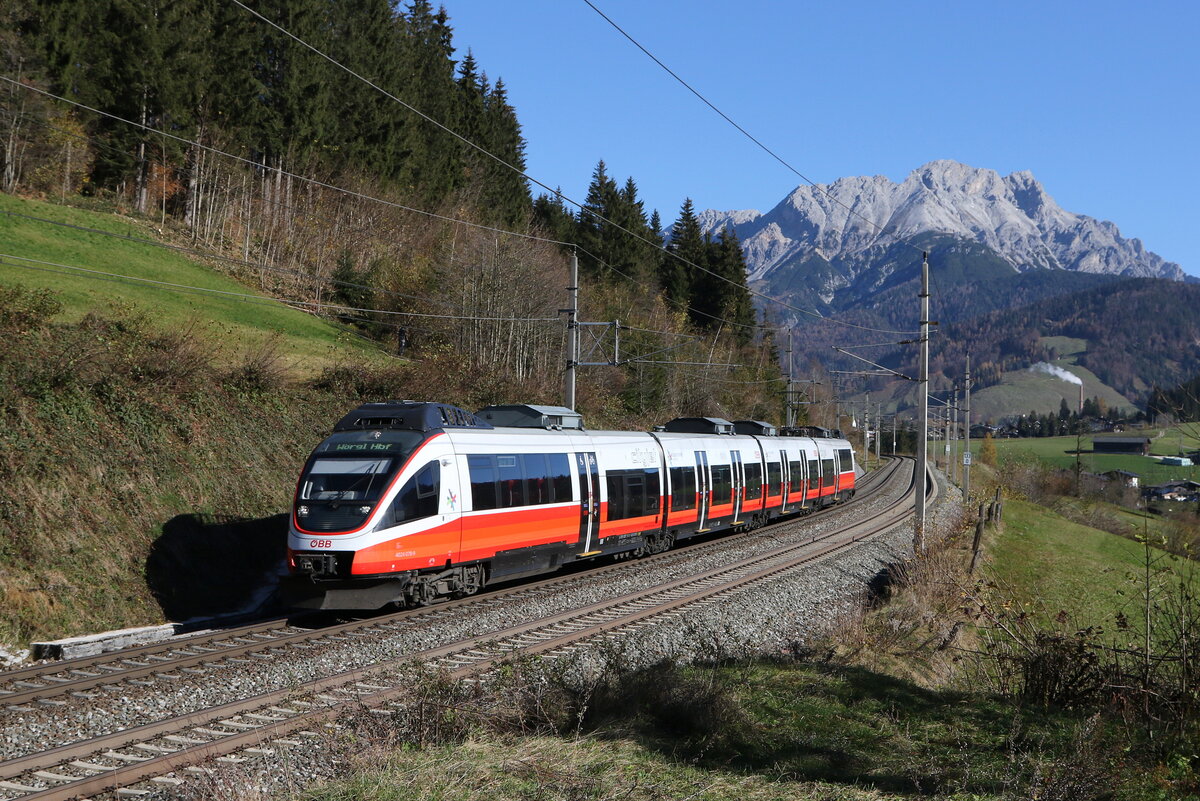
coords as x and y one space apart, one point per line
419 496
753 481
827 472
483 482
814 472
616 494
797 469
774 478
512 486
632 493
722 483
560 477
652 490
536 477
683 488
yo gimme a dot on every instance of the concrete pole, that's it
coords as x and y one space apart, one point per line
572 335
967 425
923 412
866 424
790 414
878 428
954 440
946 446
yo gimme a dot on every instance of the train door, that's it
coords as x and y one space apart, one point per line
739 483
704 488
589 500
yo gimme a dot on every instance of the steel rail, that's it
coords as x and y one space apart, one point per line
270 713
126 664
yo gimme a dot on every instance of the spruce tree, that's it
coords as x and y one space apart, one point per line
505 191
686 248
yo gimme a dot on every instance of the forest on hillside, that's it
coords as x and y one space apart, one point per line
1140 332
399 210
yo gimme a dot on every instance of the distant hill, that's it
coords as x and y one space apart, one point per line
1120 337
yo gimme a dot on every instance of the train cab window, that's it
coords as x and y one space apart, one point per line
483 482
345 479
753 481
683 488
774 478
419 496
560 477
846 458
722 483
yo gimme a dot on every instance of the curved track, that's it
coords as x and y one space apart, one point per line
264 639
134 755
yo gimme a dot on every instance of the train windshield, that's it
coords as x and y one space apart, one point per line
346 479
348 474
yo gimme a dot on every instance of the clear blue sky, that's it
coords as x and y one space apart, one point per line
1099 99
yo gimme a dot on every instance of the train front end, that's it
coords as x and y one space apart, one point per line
351 500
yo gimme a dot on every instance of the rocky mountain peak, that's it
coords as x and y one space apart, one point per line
1013 216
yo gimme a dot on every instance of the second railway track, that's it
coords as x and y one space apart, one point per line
122 758
44 682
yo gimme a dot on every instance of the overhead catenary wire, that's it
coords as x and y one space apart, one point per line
73 271
363 196
554 191
259 298
849 209
219 257
283 172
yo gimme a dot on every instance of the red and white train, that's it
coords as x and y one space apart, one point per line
405 501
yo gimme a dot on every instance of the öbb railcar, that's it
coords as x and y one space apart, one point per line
406 502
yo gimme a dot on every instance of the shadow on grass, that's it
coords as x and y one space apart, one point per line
202 566
808 722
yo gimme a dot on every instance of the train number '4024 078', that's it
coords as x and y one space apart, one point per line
320 543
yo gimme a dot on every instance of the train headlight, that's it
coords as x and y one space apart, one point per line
301 511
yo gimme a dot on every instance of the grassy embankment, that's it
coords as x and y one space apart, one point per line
234 326
891 715
151 438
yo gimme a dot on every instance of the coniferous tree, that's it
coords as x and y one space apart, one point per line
736 305
552 215
686 248
592 229
506 192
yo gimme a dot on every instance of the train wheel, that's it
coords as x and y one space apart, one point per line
471 581
422 591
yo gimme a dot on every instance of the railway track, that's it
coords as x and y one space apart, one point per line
127 757
267 639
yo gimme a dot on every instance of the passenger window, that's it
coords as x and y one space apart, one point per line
483 482
560 477
753 481
683 488
537 482
512 488
774 478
